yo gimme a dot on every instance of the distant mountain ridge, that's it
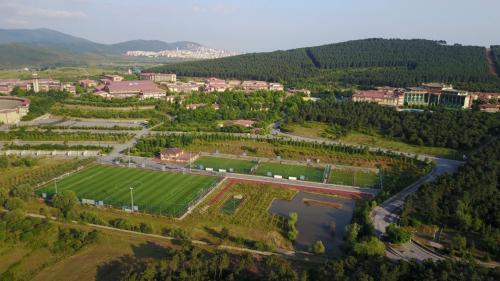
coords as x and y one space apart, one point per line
51 39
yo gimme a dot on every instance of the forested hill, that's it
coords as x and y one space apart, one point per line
496 57
394 62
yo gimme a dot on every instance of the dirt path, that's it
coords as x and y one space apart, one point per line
491 62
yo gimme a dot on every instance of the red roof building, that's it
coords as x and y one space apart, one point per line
143 89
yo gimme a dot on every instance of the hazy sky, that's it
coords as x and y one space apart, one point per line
260 25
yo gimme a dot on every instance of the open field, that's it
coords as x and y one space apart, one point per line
239 166
159 192
307 129
353 178
318 130
378 141
63 73
310 173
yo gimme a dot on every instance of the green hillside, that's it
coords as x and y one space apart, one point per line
394 62
23 55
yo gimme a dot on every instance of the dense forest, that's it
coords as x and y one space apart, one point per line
393 62
496 57
437 127
467 201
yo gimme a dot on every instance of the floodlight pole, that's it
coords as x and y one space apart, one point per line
132 198
55 184
129 157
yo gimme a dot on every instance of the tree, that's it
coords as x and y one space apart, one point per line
14 203
352 232
397 235
65 201
4 195
318 248
372 247
23 191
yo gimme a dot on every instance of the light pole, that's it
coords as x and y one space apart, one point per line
132 197
55 184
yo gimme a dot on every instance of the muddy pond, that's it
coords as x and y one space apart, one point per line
320 217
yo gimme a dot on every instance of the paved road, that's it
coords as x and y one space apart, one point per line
387 213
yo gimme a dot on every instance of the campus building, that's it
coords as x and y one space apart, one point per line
180 87
382 96
427 95
174 154
13 109
143 89
159 77
36 84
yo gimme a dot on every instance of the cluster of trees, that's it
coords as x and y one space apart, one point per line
40 104
393 62
151 145
107 114
127 225
191 263
48 135
97 101
397 235
437 127
466 201
14 161
47 146
104 128
261 106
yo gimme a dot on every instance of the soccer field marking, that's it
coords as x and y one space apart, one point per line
153 190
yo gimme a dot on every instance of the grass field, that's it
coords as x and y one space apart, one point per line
353 178
318 130
378 141
310 173
159 192
230 206
239 166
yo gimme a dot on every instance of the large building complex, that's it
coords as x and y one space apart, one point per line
426 95
159 77
36 84
143 89
12 109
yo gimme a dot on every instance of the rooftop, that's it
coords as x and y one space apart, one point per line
133 86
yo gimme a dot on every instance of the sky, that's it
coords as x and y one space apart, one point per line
260 25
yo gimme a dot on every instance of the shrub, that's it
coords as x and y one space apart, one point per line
318 248
65 201
14 204
397 235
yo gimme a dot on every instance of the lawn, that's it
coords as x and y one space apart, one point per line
310 173
239 166
307 129
318 130
230 205
378 141
353 178
153 191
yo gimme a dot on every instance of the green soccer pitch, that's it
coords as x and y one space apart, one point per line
216 163
153 191
310 173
